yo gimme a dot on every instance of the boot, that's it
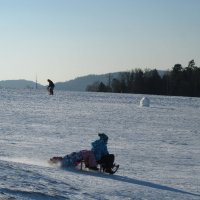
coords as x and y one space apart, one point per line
109 171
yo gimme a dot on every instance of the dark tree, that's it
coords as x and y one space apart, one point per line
93 88
179 81
116 86
102 87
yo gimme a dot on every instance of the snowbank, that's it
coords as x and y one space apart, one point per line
145 102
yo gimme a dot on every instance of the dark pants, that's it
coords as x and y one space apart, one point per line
107 161
50 89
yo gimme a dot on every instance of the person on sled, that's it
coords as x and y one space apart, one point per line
73 159
50 87
102 156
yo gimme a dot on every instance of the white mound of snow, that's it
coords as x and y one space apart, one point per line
145 102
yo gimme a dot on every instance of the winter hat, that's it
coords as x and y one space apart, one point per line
103 137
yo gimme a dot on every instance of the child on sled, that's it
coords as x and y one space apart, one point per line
97 155
102 156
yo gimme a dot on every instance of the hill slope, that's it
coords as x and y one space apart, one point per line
77 84
157 147
80 83
19 84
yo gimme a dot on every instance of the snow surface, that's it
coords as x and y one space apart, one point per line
157 147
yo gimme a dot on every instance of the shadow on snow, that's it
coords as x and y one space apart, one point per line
132 181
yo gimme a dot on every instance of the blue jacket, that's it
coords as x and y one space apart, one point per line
99 147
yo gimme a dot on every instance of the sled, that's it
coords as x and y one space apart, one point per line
100 168
81 165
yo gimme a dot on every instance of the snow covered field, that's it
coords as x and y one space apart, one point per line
157 147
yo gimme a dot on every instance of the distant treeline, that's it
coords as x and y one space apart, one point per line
180 81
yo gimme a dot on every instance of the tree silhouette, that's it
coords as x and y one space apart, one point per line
179 81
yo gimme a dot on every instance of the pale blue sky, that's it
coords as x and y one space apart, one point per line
64 39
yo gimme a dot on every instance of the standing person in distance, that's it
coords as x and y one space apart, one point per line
50 87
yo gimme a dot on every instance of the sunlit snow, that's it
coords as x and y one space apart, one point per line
157 147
